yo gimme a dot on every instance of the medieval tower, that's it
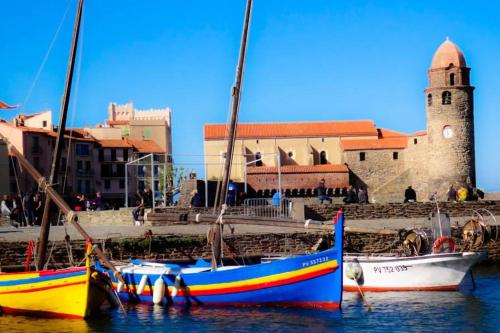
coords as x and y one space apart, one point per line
450 121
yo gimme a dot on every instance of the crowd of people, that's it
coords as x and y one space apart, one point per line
22 210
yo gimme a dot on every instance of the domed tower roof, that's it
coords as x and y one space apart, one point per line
448 53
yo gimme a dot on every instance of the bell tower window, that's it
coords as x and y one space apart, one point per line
446 98
452 79
429 100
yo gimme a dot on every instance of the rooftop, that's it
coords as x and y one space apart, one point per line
287 130
448 54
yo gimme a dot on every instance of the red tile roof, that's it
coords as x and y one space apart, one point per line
284 130
386 133
419 133
324 168
146 146
372 144
114 143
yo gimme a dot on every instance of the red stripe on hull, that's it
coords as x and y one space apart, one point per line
382 289
40 314
42 288
239 289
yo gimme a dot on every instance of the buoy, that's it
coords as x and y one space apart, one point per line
158 291
354 271
119 287
142 284
177 285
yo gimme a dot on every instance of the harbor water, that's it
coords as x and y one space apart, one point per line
470 310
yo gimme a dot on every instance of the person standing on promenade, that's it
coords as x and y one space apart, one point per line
451 193
321 189
38 207
362 195
98 203
410 195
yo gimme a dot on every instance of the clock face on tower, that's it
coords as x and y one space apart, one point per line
447 132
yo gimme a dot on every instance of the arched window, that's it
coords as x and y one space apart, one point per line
452 79
322 157
429 100
290 154
258 157
446 96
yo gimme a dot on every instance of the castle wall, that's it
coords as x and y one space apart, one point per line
377 168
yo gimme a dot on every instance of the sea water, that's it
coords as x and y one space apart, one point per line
469 310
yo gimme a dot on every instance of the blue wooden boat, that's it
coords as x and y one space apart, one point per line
313 281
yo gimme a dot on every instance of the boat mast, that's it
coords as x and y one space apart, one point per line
45 227
221 193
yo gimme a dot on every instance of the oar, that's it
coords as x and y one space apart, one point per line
369 307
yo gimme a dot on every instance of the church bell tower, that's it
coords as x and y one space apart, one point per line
450 121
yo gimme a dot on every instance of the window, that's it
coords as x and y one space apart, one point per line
322 157
82 149
429 100
63 164
79 165
415 141
322 139
87 186
141 171
113 154
157 186
107 184
122 183
446 96
79 186
87 166
141 185
125 155
36 162
44 123
452 79
106 170
362 156
395 155
36 141
258 157
156 170
120 170
101 155
257 141
156 158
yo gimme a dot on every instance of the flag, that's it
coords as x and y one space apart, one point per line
5 106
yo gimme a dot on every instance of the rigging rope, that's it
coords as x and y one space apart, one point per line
45 58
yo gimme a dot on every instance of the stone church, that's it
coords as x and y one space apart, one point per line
359 153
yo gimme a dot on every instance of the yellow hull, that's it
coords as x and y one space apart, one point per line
69 293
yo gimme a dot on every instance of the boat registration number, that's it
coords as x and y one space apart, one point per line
390 269
314 261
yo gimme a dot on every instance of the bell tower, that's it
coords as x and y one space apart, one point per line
450 121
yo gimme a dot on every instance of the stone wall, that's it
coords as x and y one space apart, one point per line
378 167
123 216
398 210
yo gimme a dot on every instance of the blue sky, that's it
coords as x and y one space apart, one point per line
307 61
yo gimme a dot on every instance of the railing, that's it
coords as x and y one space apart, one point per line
84 172
268 207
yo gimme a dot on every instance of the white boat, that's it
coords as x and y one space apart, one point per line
432 272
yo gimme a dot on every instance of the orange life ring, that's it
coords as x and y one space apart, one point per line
438 244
